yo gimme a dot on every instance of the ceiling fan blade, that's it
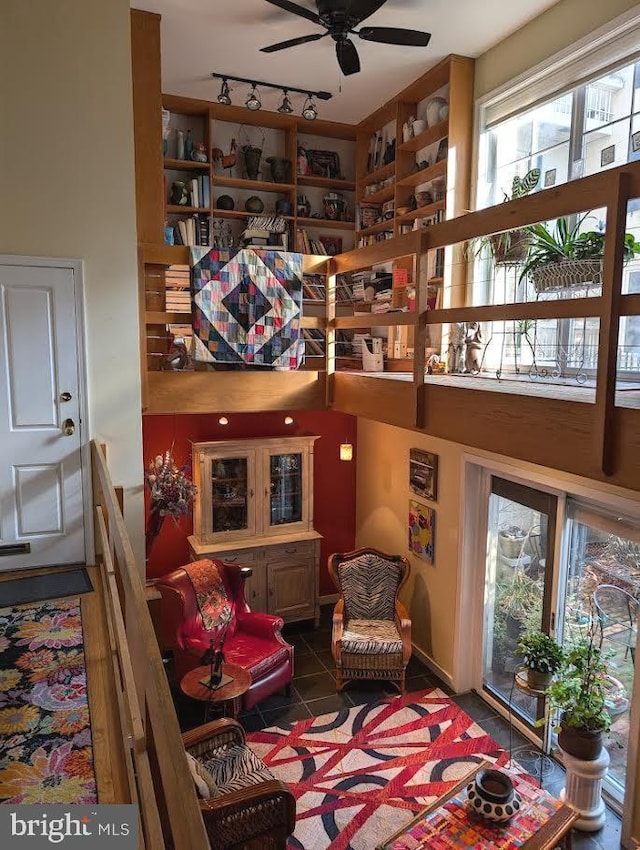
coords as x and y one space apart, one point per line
293 42
360 10
296 10
392 35
347 57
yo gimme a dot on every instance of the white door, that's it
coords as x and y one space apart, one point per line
41 498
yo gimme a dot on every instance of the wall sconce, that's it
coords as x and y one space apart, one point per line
288 420
223 420
346 451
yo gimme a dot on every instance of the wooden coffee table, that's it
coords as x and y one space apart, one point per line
554 831
227 697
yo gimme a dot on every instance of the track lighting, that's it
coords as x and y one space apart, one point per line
253 102
309 110
285 107
224 96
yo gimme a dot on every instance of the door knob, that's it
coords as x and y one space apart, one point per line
68 427
65 396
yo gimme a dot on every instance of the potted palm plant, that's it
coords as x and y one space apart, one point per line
579 696
562 256
542 657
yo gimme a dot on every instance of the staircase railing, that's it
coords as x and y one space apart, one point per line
159 779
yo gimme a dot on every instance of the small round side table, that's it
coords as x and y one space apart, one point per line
226 697
542 762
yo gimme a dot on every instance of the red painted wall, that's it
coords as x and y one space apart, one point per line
334 495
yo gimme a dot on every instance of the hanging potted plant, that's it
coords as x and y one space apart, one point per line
542 658
561 256
511 247
579 696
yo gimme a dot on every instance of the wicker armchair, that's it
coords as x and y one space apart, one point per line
371 629
250 810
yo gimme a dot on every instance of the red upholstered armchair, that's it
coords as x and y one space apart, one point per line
196 599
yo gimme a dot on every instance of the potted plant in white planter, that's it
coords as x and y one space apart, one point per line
579 695
542 658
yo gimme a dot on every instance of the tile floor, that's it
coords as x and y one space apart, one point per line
313 693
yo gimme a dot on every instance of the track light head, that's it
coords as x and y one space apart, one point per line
285 107
224 96
309 110
253 101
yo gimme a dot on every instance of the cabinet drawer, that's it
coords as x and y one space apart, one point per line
235 557
303 548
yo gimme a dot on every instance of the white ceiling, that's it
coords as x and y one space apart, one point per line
201 36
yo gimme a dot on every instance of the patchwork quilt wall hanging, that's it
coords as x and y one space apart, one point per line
246 307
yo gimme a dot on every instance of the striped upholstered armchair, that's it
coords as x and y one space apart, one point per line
371 630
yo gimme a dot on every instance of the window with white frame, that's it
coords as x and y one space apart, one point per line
569 134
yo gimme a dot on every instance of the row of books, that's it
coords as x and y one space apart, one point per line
313 288
424 221
177 289
314 341
306 245
363 241
195 230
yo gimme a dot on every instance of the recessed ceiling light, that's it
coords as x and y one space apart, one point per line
223 420
288 420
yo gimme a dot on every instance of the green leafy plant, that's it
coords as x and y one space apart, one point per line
579 692
521 599
540 652
563 241
522 186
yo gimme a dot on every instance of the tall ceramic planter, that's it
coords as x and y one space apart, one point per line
580 743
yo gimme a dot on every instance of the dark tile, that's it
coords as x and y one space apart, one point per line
415 667
326 615
298 643
289 630
419 683
251 721
474 706
499 731
319 639
365 691
279 700
315 686
330 704
306 664
326 656
286 715
583 841
609 836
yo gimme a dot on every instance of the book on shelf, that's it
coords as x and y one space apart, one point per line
195 192
314 341
313 287
195 230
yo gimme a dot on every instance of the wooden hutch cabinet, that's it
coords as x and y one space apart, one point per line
255 506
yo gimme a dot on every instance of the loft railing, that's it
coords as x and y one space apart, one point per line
158 776
610 190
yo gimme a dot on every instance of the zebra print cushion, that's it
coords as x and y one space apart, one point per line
238 767
203 780
371 637
369 586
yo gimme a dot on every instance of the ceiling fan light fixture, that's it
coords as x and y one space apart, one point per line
285 107
253 102
309 110
224 96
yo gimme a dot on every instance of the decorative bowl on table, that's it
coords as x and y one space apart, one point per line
492 796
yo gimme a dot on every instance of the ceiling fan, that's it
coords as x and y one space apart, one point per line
339 17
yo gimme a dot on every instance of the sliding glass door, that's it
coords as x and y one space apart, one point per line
519 570
600 589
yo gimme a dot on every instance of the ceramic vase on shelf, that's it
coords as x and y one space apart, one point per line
252 156
437 110
179 144
280 169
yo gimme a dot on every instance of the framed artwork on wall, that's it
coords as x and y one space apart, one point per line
332 244
324 163
423 474
422 524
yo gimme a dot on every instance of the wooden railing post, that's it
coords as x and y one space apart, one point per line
610 323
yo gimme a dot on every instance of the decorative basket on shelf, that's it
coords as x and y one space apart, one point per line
511 247
566 274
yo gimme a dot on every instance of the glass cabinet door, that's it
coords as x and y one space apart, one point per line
285 488
230 494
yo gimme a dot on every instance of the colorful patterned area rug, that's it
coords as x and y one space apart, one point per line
46 753
361 774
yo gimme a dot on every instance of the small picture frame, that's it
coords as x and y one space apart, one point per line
550 177
423 474
635 141
607 156
324 163
332 244
422 521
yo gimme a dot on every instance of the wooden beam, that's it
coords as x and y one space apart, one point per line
381 252
610 322
376 320
570 308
